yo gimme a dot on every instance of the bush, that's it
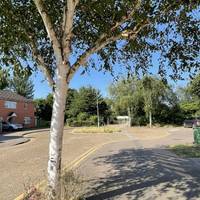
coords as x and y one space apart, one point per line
83 119
102 129
93 119
43 123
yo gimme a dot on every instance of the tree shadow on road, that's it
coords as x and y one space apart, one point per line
146 174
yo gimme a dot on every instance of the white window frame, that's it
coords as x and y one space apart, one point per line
10 104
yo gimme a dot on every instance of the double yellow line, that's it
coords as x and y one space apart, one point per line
69 166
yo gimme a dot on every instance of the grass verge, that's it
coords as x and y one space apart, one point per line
72 188
103 129
186 151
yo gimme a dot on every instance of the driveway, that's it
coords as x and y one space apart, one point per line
25 164
142 169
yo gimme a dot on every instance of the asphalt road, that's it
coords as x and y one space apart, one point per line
24 165
119 170
142 170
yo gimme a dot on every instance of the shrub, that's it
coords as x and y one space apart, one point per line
82 116
103 129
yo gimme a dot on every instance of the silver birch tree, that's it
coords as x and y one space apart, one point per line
45 35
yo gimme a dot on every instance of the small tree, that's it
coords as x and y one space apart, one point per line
84 104
22 85
44 107
153 92
4 79
125 96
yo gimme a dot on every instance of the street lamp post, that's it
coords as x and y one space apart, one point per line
98 119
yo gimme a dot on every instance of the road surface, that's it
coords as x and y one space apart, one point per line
25 164
142 170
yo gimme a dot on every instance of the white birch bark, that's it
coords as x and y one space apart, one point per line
150 119
129 115
63 76
56 135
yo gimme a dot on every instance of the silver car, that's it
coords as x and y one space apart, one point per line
7 126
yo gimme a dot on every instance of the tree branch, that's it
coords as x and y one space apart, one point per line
105 38
41 65
103 41
69 11
49 28
128 17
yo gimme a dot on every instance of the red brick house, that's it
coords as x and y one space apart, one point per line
16 109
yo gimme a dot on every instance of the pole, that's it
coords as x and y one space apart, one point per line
98 120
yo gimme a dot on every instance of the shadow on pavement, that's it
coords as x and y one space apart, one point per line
146 174
5 138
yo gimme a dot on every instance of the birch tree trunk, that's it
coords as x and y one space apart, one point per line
56 135
129 115
150 119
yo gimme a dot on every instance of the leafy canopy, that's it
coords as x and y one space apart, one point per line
22 84
126 32
194 86
4 79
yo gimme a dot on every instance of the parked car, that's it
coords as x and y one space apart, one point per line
6 126
192 123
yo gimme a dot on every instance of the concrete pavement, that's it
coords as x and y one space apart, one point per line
18 137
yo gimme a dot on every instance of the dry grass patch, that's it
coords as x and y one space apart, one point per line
149 133
186 151
103 129
72 188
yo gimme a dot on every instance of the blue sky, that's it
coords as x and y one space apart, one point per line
98 80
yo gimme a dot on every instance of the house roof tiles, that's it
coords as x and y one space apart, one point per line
12 96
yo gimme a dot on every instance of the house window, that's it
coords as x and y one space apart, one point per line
10 104
27 120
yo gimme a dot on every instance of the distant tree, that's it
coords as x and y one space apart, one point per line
194 86
137 97
189 98
43 108
153 91
191 109
183 94
22 84
125 96
84 105
4 79
70 98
